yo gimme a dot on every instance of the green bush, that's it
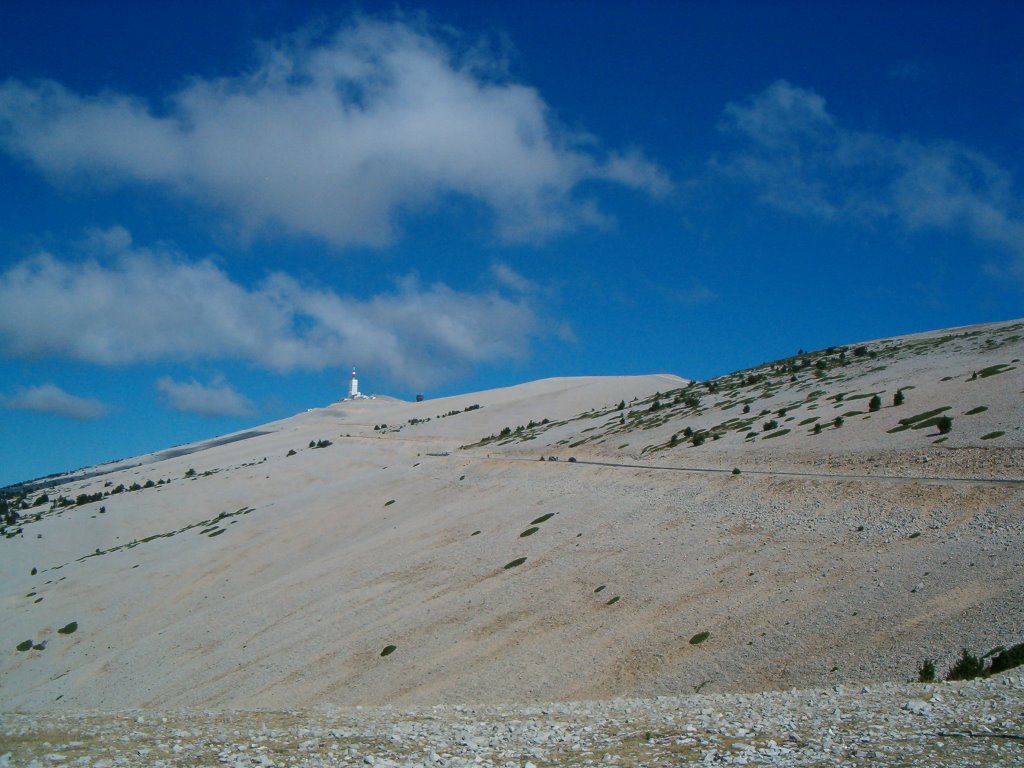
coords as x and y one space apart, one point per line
944 425
68 628
699 638
1008 659
926 672
388 650
967 667
875 403
899 398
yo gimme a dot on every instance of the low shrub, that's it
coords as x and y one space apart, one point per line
388 650
69 628
1008 659
967 667
699 638
926 672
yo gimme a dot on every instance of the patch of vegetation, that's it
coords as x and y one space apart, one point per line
515 563
926 672
967 667
388 650
475 533
529 532
68 629
24 646
1008 659
921 420
699 638
992 370
389 502
944 424
613 601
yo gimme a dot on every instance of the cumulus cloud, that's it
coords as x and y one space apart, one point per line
146 305
335 138
48 398
215 399
803 161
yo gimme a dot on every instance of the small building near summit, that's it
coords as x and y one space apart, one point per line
353 389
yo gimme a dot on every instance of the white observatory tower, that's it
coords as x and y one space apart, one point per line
353 388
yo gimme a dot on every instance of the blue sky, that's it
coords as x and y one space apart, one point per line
208 214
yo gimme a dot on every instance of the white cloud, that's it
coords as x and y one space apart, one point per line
142 305
215 399
48 398
508 277
803 161
335 139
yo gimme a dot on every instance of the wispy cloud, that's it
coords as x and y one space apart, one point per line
508 277
48 398
215 399
801 160
143 305
335 138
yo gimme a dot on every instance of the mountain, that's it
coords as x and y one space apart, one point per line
836 516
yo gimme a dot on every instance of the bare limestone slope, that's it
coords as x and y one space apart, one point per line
261 571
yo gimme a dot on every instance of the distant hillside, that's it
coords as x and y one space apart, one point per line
836 516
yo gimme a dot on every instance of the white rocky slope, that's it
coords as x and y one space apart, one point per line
251 578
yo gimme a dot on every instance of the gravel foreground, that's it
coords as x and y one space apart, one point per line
977 723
